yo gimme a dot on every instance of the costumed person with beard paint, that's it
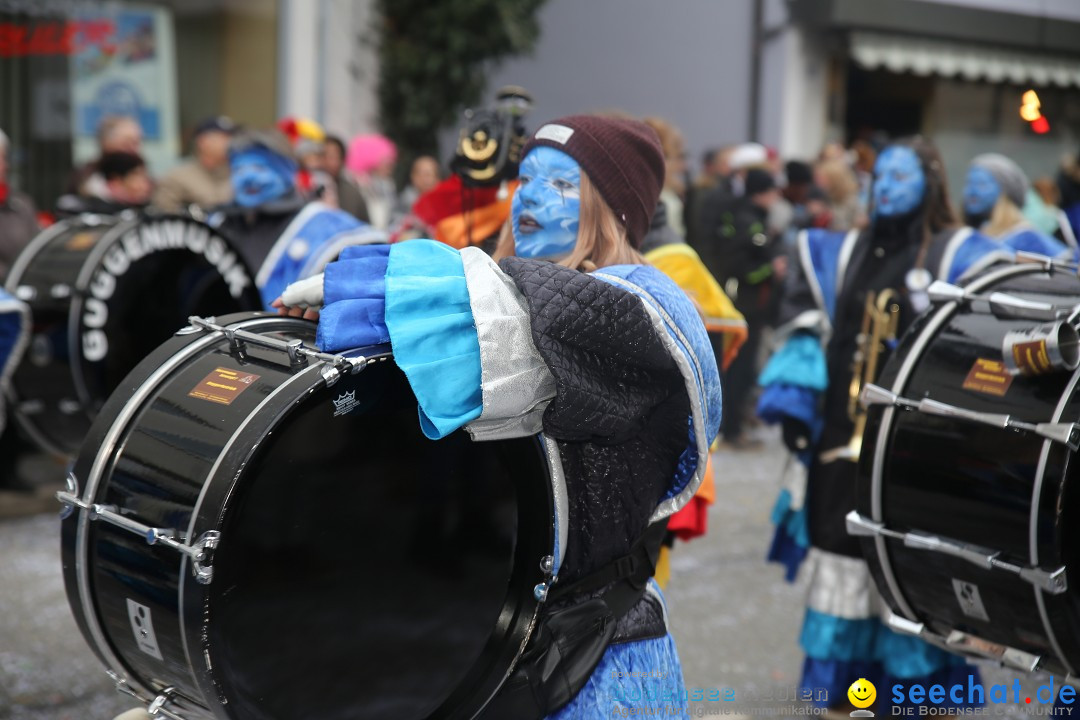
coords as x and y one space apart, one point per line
912 240
995 192
276 228
571 335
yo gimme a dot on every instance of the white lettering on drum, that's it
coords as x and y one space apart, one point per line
137 244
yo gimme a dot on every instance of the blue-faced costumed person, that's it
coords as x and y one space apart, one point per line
570 335
911 241
281 233
995 192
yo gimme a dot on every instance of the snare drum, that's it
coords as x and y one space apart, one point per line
262 531
968 484
103 292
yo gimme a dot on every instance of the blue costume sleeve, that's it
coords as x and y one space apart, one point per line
413 294
1033 241
433 333
779 402
800 362
354 300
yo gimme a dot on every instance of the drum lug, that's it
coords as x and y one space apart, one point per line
201 563
1050 581
26 293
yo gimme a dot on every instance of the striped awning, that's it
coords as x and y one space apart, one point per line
925 56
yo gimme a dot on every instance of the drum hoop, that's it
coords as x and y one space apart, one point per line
211 476
18 269
1036 498
35 246
118 428
75 310
940 317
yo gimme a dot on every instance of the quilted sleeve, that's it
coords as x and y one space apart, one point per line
609 364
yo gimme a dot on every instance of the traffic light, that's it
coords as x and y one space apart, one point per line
1031 111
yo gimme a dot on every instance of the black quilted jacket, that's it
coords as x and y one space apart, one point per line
620 412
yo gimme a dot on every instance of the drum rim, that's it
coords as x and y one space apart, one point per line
18 269
941 316
470 699
104 457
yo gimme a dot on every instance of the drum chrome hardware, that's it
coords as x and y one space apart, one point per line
1042 349
155 708
1064 433
26 293
999 304
540 592
298 353
200 552
966 644
1051 581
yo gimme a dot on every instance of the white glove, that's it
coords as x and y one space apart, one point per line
307 293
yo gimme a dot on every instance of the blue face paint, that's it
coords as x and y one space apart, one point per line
547 205
981 191
899 182
259 176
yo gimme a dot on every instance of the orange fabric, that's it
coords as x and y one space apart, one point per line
480 223
692 520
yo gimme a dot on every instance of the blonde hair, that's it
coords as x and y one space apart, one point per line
838 180
674 148
601 240
1004 217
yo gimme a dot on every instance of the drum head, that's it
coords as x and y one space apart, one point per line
366 571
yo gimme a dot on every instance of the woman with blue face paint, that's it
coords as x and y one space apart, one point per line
995 192
912 240
568 334
282 234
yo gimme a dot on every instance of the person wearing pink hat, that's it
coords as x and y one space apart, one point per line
371 160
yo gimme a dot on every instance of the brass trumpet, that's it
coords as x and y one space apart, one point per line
881 320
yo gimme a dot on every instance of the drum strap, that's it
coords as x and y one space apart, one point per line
569 641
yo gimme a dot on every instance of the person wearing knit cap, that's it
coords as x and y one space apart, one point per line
565 332
994 196
282 233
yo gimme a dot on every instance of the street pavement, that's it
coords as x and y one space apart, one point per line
733 617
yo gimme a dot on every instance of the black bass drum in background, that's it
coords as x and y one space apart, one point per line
968 496
104 291
314 555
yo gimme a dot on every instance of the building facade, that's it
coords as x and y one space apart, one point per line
65 64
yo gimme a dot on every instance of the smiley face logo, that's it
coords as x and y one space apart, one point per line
862 693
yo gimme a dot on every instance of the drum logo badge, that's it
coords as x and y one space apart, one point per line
345 403
143 627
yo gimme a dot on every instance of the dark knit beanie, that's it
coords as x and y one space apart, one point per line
759 181
622 158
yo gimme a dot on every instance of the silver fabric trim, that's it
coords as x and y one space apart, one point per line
816 321
802 242
693 380
952 246
516 382
651 588
346 238
286 237
846 248
794 480
561 501
840 586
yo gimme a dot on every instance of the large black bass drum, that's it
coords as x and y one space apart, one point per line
103 292
968 496
256 530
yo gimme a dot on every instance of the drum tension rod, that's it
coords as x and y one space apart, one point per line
154 708
970 645
200 553
298 354
1067 434
1053 582
1001 305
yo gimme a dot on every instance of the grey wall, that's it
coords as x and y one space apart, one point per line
684 60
